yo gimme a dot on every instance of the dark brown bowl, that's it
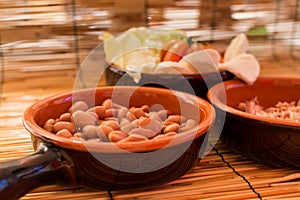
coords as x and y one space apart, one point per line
272 141
106 165
196 84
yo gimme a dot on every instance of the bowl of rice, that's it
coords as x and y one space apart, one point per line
262 119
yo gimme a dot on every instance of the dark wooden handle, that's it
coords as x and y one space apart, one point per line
44 167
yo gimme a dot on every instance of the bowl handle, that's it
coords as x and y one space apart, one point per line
44 167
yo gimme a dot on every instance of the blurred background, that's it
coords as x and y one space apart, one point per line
45 41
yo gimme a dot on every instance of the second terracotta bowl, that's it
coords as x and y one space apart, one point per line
272 141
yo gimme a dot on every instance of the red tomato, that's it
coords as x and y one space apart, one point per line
167 47
176 51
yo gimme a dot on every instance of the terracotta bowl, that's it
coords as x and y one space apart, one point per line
272 141
106 165
196 84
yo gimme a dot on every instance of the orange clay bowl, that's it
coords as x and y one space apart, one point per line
197 84
272 141
106 165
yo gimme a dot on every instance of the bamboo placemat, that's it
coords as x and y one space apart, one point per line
222 174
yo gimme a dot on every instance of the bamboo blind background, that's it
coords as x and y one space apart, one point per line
45 39
44 42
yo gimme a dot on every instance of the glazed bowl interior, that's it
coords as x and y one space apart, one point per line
175 101
269 91
268 140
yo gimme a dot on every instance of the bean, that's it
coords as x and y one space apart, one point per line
170 134
135 122
171 128
112 123
64 133
155 116
154 125
130 116
79 105
175 119
138 112
163 114
100 121
127 127
48 125
107 104
167 123
189 124
143 121
65 117
116 136
64 125
90 131
122 113
124 121
145 108
143 131
103 132
79 135
99 110
93 114
111 119
156 108
134 138
111 112
81 119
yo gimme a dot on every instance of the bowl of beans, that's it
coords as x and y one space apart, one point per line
110 138
262 119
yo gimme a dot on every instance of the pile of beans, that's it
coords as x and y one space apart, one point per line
282 110
111 122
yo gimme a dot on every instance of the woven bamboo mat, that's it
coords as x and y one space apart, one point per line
222 174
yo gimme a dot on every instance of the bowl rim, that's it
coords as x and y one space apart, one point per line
229 84
117 69
107 147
